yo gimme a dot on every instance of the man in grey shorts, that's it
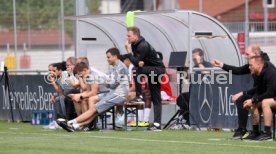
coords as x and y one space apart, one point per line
119 87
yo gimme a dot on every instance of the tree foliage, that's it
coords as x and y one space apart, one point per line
39 14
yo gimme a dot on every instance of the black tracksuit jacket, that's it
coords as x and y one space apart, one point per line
264 84
143 51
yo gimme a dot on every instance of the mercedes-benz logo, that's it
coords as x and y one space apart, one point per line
206 101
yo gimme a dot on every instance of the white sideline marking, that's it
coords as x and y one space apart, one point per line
182 142
215 139
14 128
71 135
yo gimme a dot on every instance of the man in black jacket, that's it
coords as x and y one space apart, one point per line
265 88
239 98
146 62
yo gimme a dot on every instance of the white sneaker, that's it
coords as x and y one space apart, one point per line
48 126
53 125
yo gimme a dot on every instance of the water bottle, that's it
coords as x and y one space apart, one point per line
50 117
33 118
38 118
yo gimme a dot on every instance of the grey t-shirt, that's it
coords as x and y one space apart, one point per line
64 81
119 83
97 77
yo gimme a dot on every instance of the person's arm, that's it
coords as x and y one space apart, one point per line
202 66
140 54
52 100
237 70
57 87
83 86
251 91
74 81
91 91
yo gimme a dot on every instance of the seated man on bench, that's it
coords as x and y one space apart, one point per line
119 87
263 93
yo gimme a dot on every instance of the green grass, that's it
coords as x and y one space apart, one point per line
25 138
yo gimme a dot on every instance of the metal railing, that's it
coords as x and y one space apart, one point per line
235 27
26 72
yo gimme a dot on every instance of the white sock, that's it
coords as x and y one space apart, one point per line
71 122
76 126
147 114
140 114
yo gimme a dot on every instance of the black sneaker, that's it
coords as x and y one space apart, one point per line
136 100
59 120
63 124
154 127
239 133
264 137
252 136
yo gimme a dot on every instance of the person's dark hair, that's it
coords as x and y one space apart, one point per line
80 67
52 64
114 52
135 30
60 66
123 57
199 51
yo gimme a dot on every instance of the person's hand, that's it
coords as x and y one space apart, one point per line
52 100
141 63
128 47
74 81
52 77
217 63
197 59
247 104
75 97
236 96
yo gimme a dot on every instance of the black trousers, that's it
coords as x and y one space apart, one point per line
70 109
153 75
183 102
69 105
242 112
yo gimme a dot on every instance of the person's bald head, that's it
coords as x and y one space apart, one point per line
252 51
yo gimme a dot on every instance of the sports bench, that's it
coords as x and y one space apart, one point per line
130 109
